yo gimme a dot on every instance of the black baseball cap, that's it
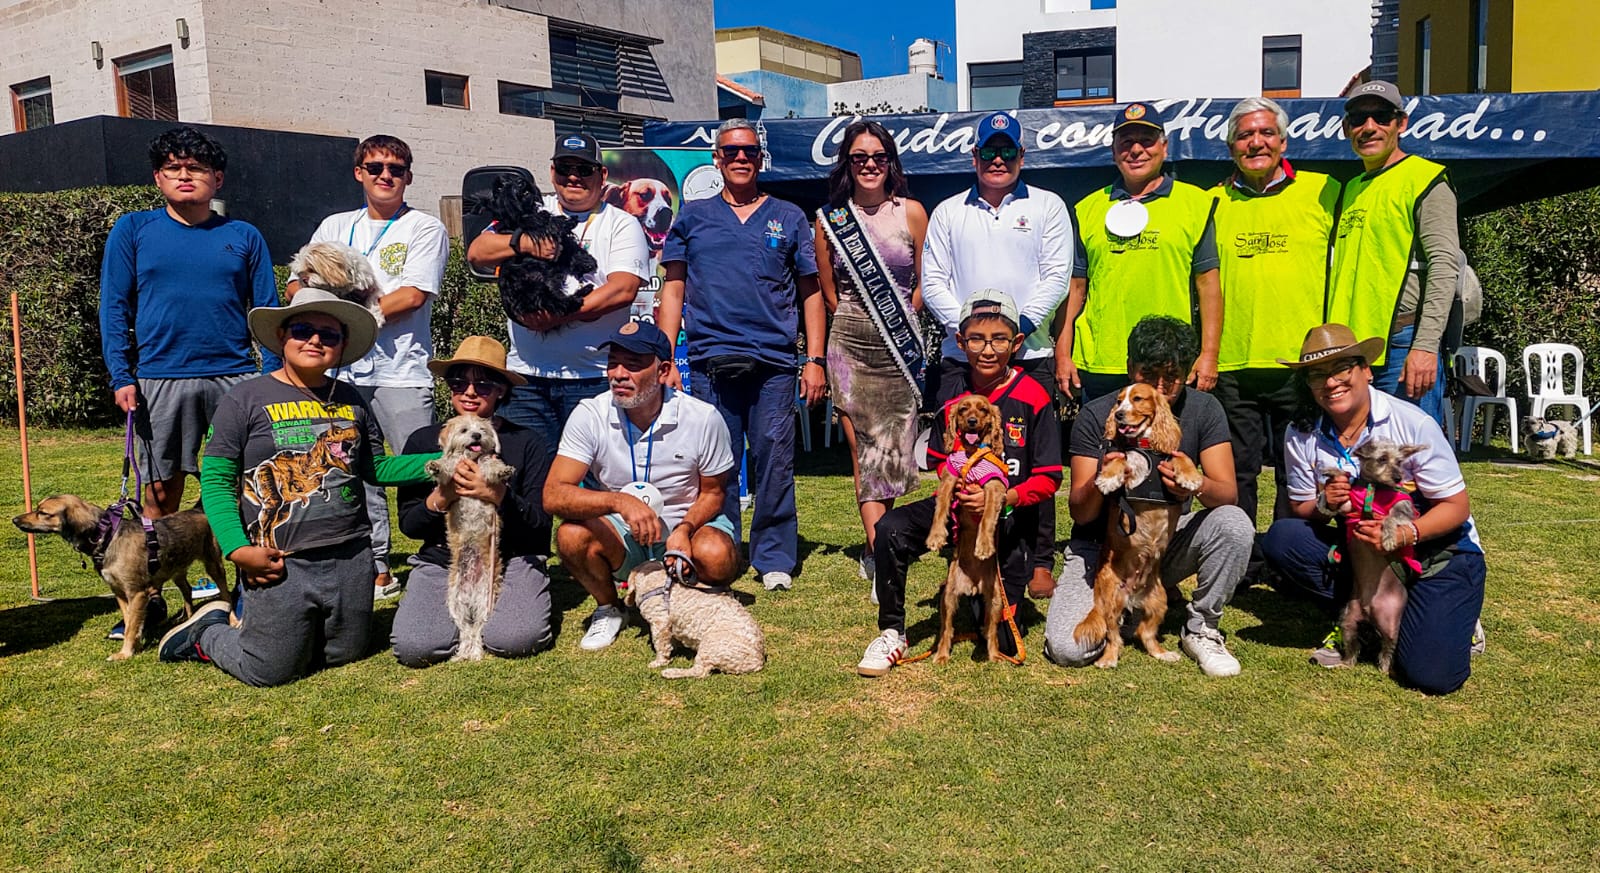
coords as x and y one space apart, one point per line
1141 114
643 338
577 145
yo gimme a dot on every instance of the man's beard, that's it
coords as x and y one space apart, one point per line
642 394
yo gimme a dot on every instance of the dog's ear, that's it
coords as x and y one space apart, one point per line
949 430
615 194
995 433
1111 418
444 430
1164 432
1407 451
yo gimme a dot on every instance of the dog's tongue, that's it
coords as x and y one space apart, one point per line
1129 430
971 438
475 447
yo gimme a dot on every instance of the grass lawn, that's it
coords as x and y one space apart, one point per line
585 761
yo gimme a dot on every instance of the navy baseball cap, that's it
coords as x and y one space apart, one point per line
643 338
1139 113
577 145
1000 124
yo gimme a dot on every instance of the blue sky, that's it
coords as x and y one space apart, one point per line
879 31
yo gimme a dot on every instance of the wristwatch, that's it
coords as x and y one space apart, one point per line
818 360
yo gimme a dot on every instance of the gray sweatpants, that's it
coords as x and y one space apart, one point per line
320 615
425 634
1212 544
400 412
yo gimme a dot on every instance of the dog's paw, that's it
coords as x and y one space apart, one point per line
936 540
941 659
1108 481
1106 664
1167 657
983 550
658 663
118 655
1189 479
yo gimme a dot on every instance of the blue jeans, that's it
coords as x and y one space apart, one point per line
1386 378
760 408
545 404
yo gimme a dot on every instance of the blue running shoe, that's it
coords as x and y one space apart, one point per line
182 643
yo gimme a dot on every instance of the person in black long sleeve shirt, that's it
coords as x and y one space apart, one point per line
423 632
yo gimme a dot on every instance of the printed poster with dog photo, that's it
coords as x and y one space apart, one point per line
650 185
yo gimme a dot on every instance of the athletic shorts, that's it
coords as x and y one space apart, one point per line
634 553
173 418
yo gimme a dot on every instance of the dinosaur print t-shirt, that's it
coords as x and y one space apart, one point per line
302 461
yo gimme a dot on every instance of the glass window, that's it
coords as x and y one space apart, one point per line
1425 56
445 89
146 87
1086 74
524 100
994 86
31 104
1280 64
585 68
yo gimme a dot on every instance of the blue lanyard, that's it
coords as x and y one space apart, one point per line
351 239
1327 434
649 447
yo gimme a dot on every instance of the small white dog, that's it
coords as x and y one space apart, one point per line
338 269
474 530
1547 438
724 635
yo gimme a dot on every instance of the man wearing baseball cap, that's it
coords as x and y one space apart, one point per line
560 357
1146 245
1397 257
662 460
1006 235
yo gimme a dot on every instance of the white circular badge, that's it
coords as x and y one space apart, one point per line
650 494
1128 218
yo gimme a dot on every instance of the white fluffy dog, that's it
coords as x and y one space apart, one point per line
1547 438
338 269
474 530
725 637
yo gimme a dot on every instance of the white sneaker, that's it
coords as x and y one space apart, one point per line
867 567
1209 651
882 654
203 589
1480 640
777 579
604 626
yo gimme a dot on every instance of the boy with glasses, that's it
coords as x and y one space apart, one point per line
408 250
987 333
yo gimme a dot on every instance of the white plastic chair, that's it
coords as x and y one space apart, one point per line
1547 386
1490 366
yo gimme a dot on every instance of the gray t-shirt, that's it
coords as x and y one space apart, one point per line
1199 414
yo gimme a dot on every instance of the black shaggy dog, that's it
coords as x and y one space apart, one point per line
530 285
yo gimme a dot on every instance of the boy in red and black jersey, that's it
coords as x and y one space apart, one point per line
988 334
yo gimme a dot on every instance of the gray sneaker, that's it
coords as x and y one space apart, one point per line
1211 653
776 580
1328 654
1479 640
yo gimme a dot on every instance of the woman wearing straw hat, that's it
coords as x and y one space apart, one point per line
284 479
424 633
1439 629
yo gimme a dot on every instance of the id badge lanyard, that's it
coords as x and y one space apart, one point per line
351 239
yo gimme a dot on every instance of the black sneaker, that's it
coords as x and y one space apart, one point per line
182 643
155 614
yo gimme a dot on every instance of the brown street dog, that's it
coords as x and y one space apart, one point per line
974 442
1377 594
473 526
1142 427
183 538
724 635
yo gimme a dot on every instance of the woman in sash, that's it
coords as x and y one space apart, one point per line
869 262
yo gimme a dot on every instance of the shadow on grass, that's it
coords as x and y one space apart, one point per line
42 625
1285 622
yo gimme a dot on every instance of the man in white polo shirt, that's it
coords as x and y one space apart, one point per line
408 250
1004 235
640 433
561 356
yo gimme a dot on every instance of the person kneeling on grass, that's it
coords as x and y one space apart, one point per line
640 433
300 536
988 333
424 633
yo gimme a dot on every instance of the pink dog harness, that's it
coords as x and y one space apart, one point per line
984 467
1369 500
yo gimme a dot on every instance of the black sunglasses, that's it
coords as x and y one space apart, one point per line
581 169
1358 117
376 168
1005 153
732 152
861 159
302 331
484 387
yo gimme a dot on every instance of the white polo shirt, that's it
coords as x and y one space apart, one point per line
1434 469
1023 248
572 351
411 252
688 440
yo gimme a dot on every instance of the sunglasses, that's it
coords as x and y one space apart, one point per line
1004 153
861 159
376 168
734 152
302 331
1358 117
580 169
1341 371
484 387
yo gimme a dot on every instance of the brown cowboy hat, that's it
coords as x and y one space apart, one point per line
478 351
1334 341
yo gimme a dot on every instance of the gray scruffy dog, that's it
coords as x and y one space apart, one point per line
1547 438
725 637
473 526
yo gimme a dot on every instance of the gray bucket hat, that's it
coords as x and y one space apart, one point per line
360 327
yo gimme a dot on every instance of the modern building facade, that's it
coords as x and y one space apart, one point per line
465 82
1477 46
765 73
1041 53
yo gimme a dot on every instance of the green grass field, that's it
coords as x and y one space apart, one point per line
570 760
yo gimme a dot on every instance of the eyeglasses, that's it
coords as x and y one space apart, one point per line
376 168
861 159
177 171
1358 117
733 152
581 169
1005 153
1341 371
302 331
980 343
484 387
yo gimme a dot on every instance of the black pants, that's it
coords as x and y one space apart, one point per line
902 536
1259 405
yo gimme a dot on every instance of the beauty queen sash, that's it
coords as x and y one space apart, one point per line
891 313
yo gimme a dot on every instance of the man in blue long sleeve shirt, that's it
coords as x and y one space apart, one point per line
175 286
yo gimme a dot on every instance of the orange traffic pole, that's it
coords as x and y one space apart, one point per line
22 426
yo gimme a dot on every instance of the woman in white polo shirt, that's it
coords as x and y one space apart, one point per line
1440 622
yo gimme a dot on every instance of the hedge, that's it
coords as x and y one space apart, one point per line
1539 262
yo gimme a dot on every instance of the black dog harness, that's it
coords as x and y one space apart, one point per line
1151 490
680 573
